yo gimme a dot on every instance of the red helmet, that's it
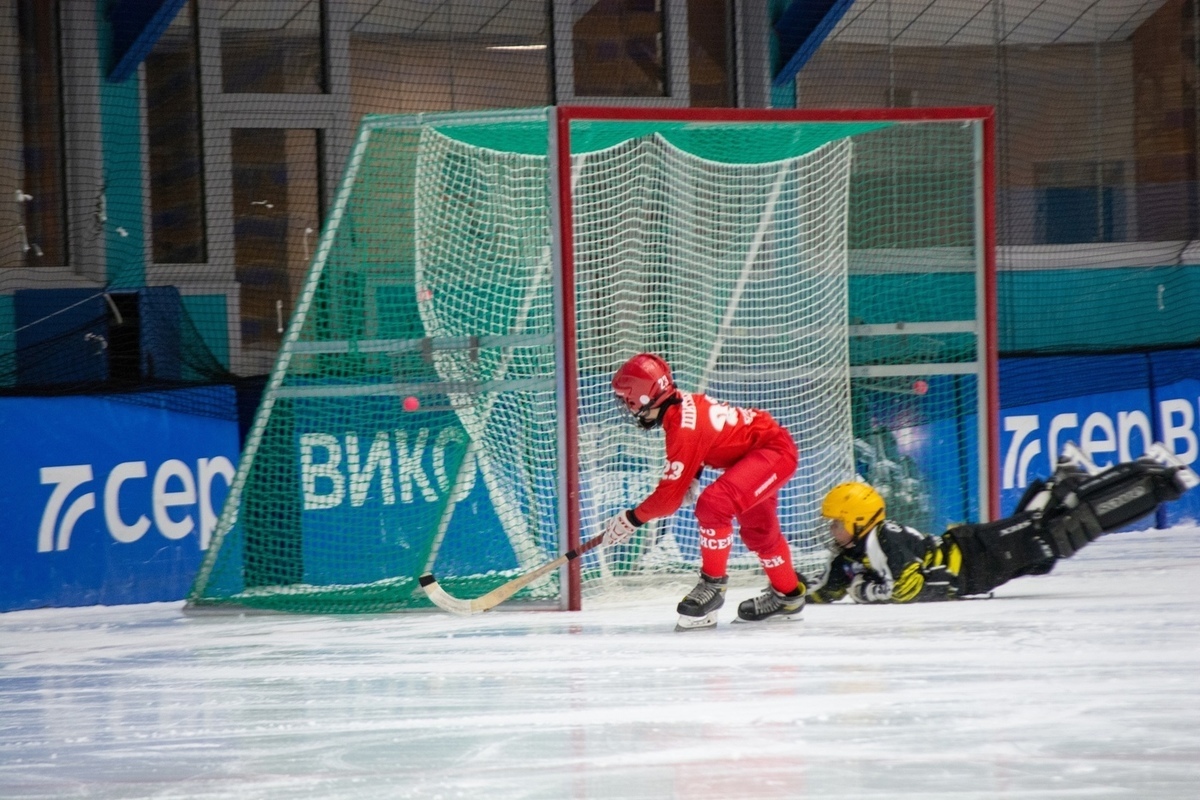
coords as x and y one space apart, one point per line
643 383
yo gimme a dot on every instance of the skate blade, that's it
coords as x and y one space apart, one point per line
795 616
1186 475
696 623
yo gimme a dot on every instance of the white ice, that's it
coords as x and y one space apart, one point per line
1081 684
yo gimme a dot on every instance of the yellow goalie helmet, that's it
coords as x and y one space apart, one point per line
857 505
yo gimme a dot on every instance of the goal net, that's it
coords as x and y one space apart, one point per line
441 401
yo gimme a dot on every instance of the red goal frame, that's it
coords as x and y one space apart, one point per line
561 118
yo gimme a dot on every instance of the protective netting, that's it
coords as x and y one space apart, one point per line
133 165
1096 150
736 274
130 161
484 269
413 421
915 309
176 170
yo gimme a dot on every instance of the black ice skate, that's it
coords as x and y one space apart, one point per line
771 605
1073 461
1186 477
698 609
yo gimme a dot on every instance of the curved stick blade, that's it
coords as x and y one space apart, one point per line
443 599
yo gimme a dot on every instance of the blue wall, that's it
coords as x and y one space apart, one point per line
1112 406
110 500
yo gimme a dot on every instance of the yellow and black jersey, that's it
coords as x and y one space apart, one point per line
892 564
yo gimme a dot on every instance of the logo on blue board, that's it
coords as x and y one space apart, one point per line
175 489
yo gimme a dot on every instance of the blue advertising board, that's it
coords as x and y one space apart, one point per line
1176 392
1116 409
109 500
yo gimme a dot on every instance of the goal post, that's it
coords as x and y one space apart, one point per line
441 400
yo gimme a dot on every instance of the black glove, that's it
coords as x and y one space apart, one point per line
831 585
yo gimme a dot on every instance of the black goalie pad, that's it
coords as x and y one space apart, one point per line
994 553
1033 495
1085 507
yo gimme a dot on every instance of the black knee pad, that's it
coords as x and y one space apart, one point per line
1067 534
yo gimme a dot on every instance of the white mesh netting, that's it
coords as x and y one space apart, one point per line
736 273
826 272
483 270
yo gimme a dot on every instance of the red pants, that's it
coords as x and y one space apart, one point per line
749 491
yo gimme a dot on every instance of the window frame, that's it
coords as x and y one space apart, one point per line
677 75
78 34
329 113
147 187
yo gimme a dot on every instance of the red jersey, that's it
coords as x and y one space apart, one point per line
702 432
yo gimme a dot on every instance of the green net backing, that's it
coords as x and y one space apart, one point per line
412 421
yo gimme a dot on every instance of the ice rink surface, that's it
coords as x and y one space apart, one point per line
1081 684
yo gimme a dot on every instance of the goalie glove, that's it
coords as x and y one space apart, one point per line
831 585
868 590
619 528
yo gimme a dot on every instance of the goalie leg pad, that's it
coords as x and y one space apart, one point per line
1185 477
994 553
1123 494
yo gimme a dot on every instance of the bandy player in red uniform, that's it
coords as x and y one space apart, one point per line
757 456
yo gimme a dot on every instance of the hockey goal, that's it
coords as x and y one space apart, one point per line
441 399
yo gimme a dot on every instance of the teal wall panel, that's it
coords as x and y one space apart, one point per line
911 297
208 314
1098 309
1049 310
8 341
121 132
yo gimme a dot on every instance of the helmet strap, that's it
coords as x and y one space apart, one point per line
649 424
860 530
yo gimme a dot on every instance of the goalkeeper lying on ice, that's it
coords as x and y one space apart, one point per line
877 560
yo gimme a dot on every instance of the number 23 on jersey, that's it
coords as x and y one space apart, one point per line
722 414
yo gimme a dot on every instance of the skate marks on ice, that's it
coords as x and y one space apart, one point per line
1081 683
